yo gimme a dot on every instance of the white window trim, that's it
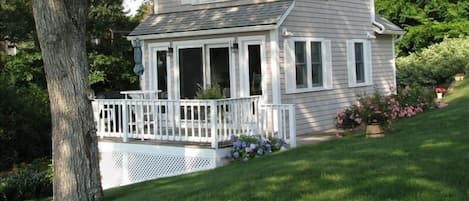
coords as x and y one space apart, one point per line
290 70
352 77
153 69
204 44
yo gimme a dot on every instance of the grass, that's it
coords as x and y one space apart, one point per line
423 158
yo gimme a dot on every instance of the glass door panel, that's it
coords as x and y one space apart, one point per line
255 70
190 72
220 69
162 75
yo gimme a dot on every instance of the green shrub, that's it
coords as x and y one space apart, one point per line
24 111
211 93
31 181
434 65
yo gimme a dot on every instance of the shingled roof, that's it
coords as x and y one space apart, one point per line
215 18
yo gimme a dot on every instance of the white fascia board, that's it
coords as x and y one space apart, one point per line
204 32
285 15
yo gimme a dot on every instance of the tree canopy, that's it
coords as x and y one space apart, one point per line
426 21
16 20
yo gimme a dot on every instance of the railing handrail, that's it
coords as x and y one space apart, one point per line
121 117
185 100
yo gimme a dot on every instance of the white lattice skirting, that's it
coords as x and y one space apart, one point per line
125 163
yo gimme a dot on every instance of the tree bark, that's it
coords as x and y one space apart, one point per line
61 29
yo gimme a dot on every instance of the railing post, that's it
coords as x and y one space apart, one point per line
292 114
213 123
125 121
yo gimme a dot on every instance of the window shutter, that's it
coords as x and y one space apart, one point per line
351 63
327 58
368 63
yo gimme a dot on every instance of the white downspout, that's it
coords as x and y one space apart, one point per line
373 17
401 36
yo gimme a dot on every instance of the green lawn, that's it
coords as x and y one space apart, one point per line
424 158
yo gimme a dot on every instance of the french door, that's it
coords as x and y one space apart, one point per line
252 67
202 67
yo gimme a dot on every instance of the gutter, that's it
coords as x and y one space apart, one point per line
381 29
204 32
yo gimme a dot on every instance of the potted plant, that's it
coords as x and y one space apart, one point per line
378 112
375 123
459 77
440 91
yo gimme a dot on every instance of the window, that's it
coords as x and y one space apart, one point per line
308 64
359 63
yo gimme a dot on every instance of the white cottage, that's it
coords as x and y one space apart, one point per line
315 54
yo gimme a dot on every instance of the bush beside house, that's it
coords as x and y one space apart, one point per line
435 65
385 110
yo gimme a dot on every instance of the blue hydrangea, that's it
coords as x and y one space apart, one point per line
282 142
234 138
243 144
248 150
264 141
260 152
236 155
253 146
237 145
268 148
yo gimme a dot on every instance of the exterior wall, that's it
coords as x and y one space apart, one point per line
267 76
338 21
167 6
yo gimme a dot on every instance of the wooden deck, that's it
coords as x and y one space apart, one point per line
188 144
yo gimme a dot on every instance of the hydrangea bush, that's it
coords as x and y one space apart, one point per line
248 147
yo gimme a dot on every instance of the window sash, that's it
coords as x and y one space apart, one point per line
301 64
359 63
317 64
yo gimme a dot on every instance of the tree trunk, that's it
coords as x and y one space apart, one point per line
61 29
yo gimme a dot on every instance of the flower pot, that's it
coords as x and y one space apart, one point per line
439 95
374 131
459 77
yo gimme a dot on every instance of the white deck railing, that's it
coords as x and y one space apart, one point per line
197 121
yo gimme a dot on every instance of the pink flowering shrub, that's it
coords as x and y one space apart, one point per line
383 110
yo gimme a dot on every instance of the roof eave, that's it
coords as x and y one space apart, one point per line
391 32
204 32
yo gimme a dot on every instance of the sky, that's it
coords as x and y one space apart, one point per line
132 5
